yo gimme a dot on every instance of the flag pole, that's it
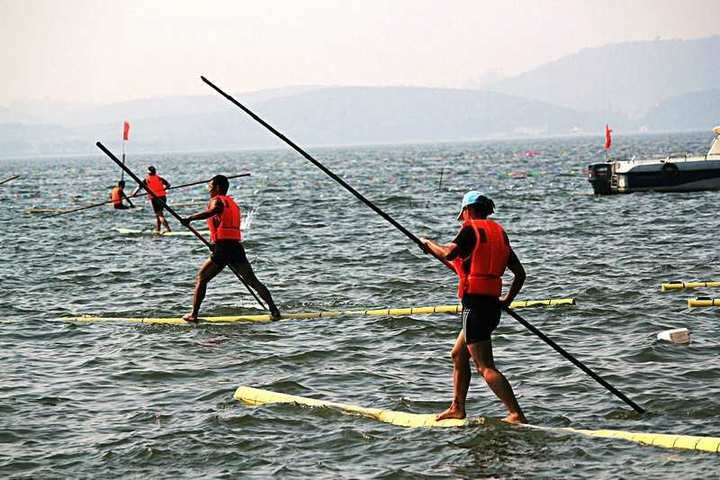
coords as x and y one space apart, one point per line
126 131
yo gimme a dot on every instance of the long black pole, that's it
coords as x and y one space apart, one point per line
174 214
79 209
415 239
9 179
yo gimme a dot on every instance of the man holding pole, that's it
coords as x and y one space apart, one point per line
480 253
117 195
157 185
223 219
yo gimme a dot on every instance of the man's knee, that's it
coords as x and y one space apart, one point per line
490 374
458 356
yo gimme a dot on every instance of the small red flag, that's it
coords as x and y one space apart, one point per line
608 137
126 130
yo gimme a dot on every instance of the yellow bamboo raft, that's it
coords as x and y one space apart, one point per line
256 396
703 302
310 315
687 285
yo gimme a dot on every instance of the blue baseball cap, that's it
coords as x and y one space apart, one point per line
470 198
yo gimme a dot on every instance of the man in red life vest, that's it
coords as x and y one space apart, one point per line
480 253
157 185
117 195
223 219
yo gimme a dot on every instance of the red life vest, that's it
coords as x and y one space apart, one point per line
116 196
226 225
156 185
488 260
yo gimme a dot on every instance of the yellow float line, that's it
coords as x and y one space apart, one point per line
683 285
256 396
703 302
309 315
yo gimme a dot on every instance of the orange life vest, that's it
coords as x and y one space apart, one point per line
488 260
226 225
116 196
155 185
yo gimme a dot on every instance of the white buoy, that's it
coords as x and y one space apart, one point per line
676 335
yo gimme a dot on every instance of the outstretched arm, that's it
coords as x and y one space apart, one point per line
442 251
445 252
137 189
215 208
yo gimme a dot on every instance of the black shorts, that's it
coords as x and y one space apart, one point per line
157 204
228 251
480 316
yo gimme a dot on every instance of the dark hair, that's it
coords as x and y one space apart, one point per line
483 207
151 169
121 183
222 183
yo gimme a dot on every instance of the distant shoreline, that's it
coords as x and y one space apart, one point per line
231 149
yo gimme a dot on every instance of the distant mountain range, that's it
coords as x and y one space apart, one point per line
640 86
630 77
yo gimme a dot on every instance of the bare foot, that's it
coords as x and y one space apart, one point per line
189 317
453 412
515 418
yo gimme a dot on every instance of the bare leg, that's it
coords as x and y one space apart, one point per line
207 272
461 380
482 355
164 222
246 272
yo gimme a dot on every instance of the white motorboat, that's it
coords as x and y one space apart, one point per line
674 173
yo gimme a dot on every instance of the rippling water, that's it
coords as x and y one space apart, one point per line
116 400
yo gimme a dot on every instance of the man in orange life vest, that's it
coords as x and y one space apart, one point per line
117 195
156 184
223 219
480 253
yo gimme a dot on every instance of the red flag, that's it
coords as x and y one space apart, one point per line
126 130
608 137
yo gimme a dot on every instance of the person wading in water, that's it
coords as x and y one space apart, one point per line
480 253
223 219
117 195
157 185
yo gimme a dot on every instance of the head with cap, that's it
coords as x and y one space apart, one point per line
151 170
219 185
477 205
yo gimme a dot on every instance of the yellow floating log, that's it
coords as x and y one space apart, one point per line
703 302
665 440
389 312
683 285
256 396
538 303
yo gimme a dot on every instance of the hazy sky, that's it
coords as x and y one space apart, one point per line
111 50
